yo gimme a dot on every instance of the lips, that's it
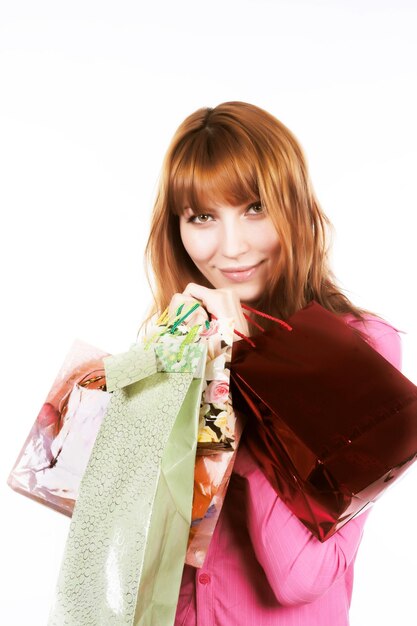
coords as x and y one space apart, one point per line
242 268
240 274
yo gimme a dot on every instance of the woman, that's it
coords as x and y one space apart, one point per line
236 221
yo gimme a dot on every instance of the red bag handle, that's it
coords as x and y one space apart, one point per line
270 317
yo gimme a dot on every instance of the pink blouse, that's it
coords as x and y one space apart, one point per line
263 566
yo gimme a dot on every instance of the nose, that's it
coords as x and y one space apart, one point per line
235 240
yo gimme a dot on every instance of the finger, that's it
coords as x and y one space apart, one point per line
181 304
198 292
177 304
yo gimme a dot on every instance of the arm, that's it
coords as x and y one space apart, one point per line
298 566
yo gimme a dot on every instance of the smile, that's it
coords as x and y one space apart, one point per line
240 275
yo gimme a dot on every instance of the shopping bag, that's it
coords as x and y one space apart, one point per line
332 423
53 459
218 432
55 454
212 474
218 438
126 547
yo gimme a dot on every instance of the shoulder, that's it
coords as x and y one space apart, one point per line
381 335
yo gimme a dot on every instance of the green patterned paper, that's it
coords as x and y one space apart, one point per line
171 519
138 483
139 362
129 367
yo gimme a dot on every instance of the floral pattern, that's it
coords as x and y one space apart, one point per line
217 418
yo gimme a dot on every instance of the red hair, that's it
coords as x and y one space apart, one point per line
237 152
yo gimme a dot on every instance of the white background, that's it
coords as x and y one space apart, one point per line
90 95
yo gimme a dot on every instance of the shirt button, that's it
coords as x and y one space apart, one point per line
204 579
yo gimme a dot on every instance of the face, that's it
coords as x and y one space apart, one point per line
232 246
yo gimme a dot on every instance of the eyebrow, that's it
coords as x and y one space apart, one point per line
199 211
203 210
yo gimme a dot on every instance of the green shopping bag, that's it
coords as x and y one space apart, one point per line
127 542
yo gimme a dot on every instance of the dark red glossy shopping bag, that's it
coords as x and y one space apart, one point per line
332 422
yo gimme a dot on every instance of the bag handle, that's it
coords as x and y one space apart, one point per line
270 317
164 319
249 308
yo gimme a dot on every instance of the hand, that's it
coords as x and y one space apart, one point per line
219 302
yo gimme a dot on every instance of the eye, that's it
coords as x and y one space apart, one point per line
193 218
256 206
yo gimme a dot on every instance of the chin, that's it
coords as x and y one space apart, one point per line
247 293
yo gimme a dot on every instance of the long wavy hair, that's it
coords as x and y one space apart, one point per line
237 152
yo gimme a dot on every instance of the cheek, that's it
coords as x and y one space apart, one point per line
199 246
273 246
267 240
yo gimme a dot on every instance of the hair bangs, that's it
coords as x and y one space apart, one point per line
210 169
